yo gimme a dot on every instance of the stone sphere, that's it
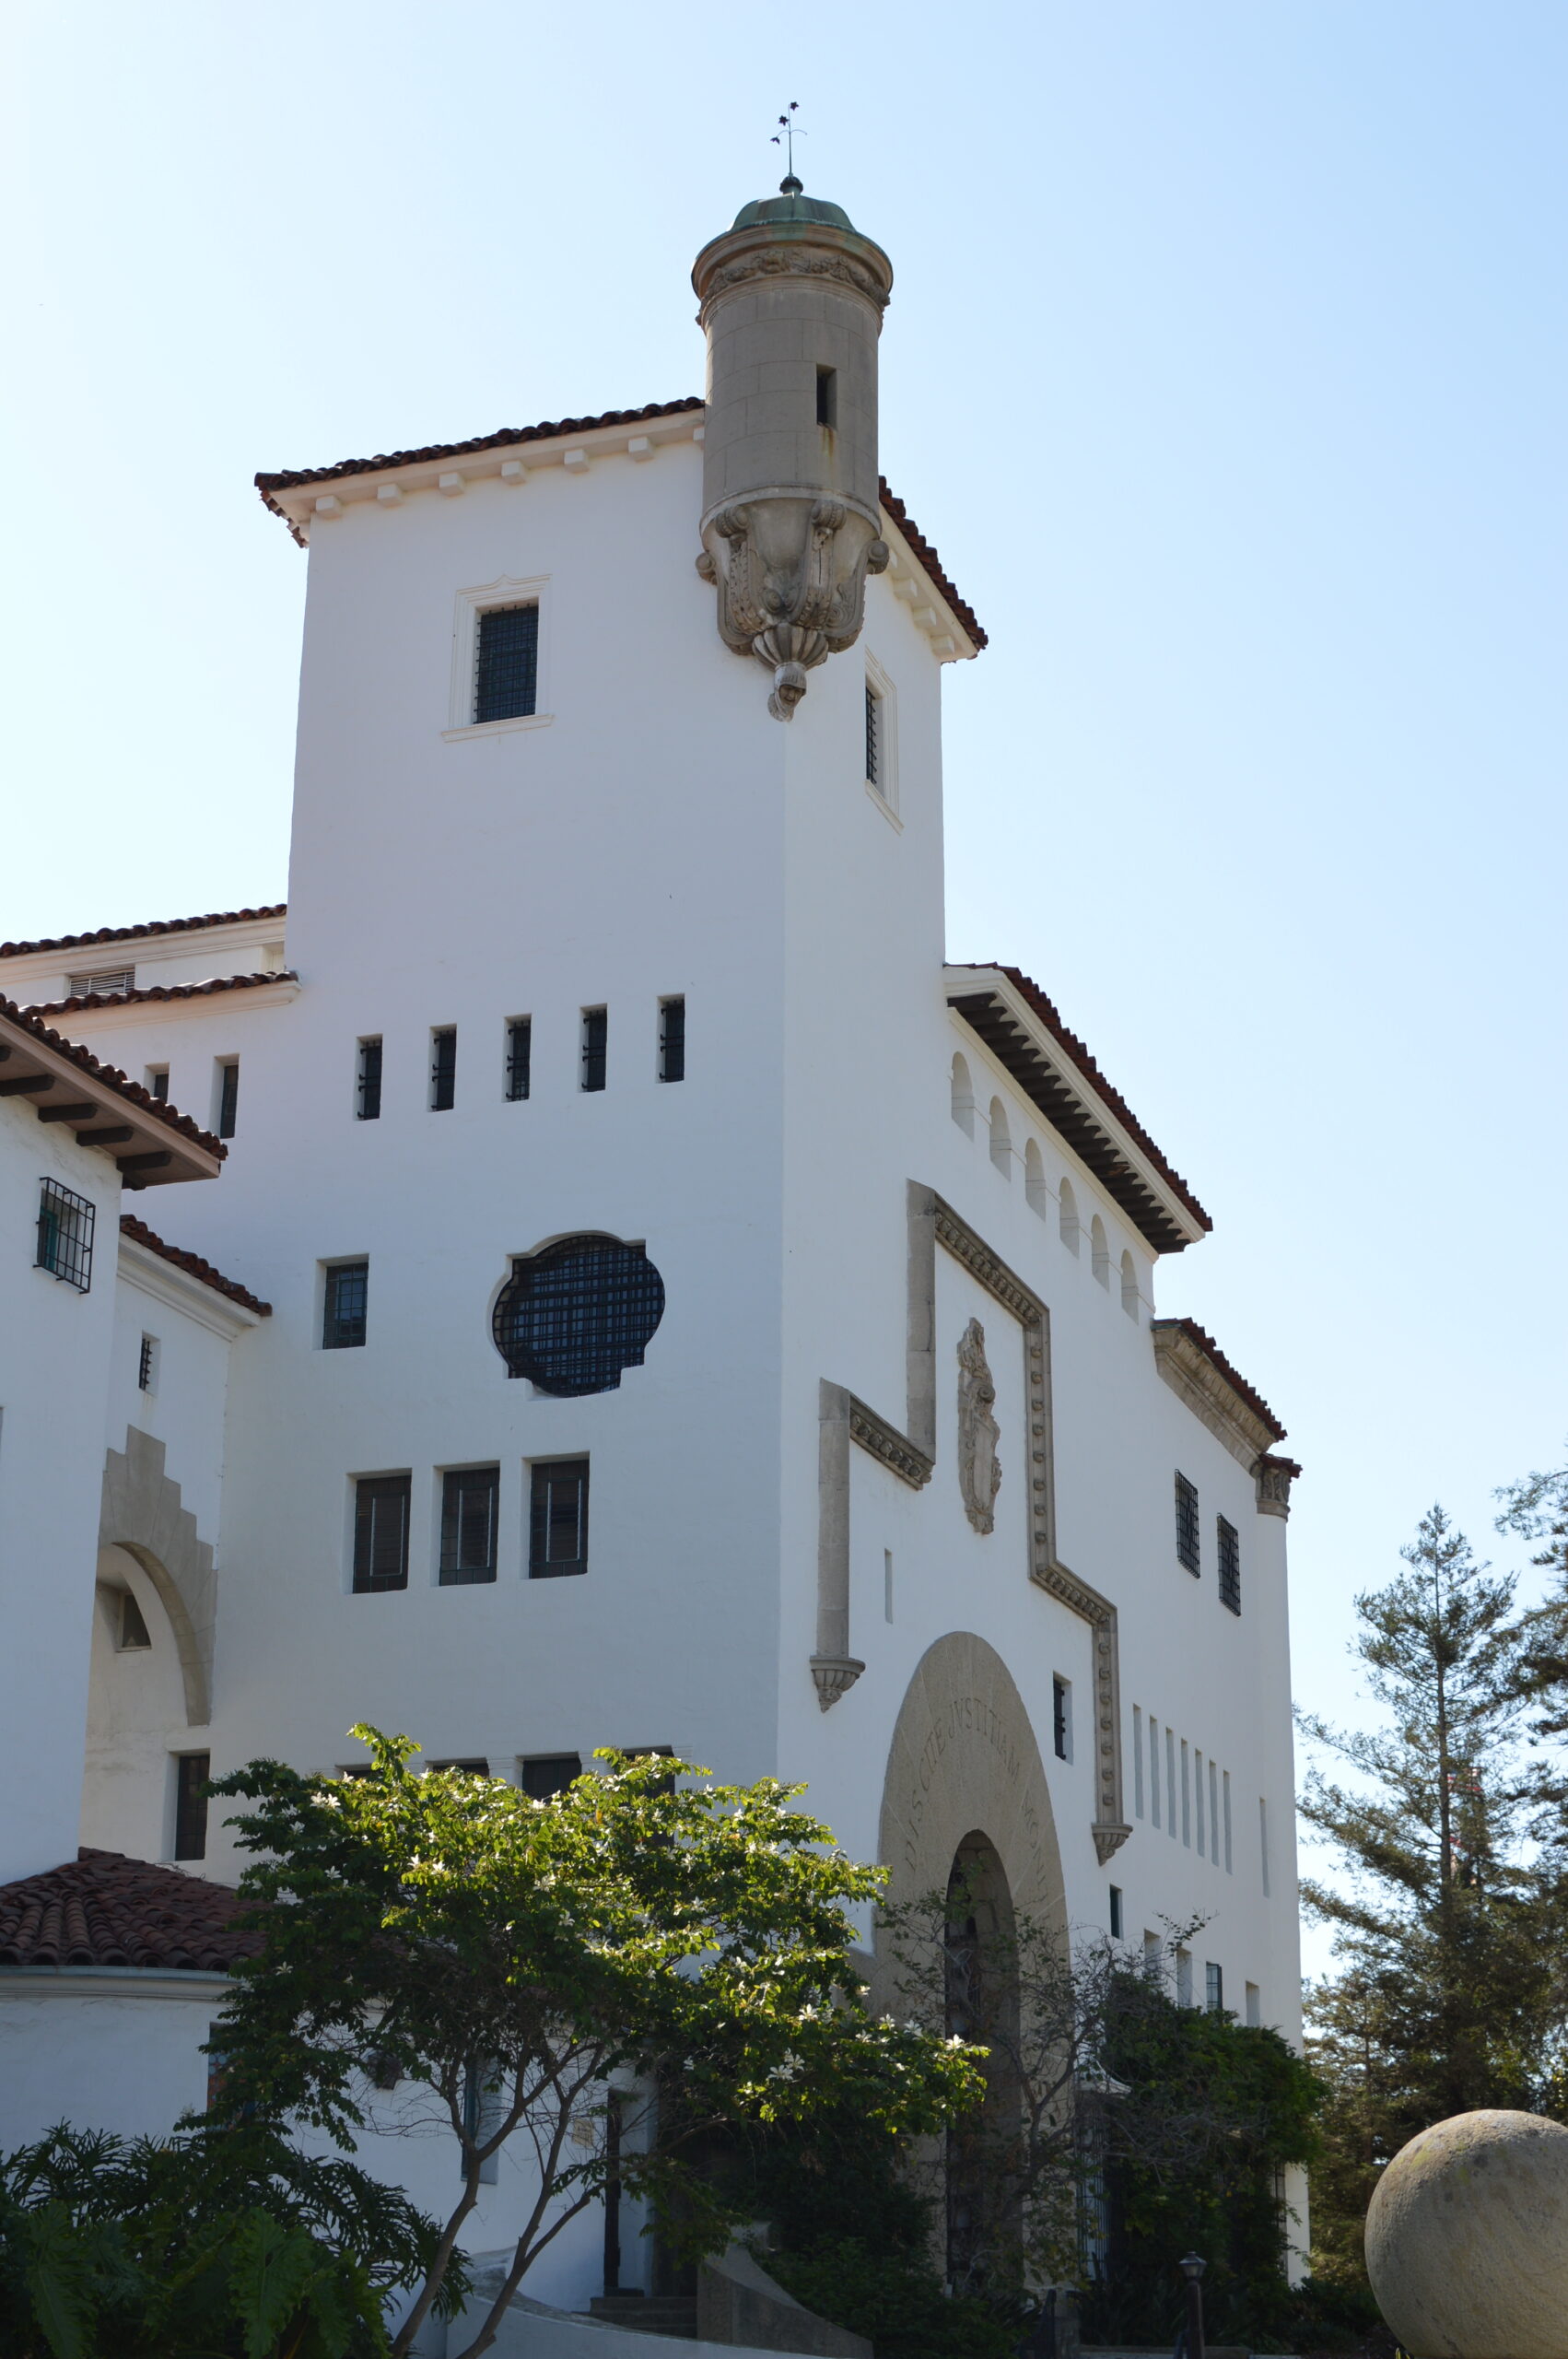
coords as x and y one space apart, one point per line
1466 2239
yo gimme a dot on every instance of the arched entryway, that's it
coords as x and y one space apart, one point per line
982 1985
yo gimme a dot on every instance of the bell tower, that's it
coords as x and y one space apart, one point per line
792 302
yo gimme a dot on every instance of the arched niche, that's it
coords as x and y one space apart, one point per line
1100 1252
1035 1189
1067 1216
143 1513
1129 1285
1002 1139
137 1711
963 1099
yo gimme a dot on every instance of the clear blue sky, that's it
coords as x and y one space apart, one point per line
1225 366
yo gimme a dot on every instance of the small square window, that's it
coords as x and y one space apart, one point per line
520 1057
1187 1524
595 1045
544 1775
133 1635
228 1095
191 1771
66 1223
147 1365
443 1068
672 1039
345 1304
506 672
558 1523
470 1498
367 1084
1061 1718
381 1532
157 1083
1229 1551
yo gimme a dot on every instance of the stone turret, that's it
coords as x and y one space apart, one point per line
792 303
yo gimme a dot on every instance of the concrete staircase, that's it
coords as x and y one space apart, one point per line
648 2313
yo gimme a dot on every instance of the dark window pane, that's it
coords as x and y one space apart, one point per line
557 1537
348 1286
1059 1717
575 1315
143 1366
595 1035
381 1532
191 1805
443 1068
544 1774
470 1496
1187 1524
228 1098
1230 1564
134 1631
469 1768
66 1224
369 1109
873 750
828 397
506 674
520 1041
161 1086
673 1040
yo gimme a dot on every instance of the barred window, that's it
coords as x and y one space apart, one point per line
672 1039
470 1498
369 1106
1187 1547
1214 1988
506 682
346 1303
519 1056
557 1538
191 1804
574 1317
443 1068
147 1365
66 1224
1230 1564
381 1532
1061 1726
595 1042
873 736
228 1095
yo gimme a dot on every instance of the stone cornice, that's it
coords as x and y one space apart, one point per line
1210 1393
885 1443
967 1245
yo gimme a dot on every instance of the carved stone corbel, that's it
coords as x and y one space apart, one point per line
1274 1477
835 1675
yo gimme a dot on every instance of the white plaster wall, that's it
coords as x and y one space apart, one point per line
137 1722
39 977
54 1359
102 2051
196 1332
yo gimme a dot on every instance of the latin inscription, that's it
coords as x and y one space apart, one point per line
968 1720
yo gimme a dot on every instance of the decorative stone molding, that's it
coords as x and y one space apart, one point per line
979 1468
1214 1399
142 1513
1274 1477
883 1441
1108 1841
790 575
835 1675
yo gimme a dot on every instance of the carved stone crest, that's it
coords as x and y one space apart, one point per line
979 1468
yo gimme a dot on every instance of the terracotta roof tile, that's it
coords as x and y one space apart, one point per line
928 558
141 933
192 1264
103 1908
30 1020
1234 1378
167 991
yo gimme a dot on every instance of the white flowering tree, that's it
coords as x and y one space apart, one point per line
511 1961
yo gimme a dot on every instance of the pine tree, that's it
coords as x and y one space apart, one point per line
1536 1508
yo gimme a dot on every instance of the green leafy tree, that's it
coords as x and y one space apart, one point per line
643 1948
1536 1508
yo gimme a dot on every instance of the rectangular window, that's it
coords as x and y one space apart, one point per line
108 980
1254 2007
1186 1796
505 671
471 1769
147 1365
520 1050
443 1068
1184 1978
595 1041
1213 1813
228 1095
1170 1783
1214 1988
134 1635
1061 1719
1230 1564
1225 1783
887 1584
191 1804
345 1305
1263 1840
368 1100
557 1521
1197 1784
157 1083
381 1532
873 736
470 1498
1153 1769
1153 1954
1137 1761
544 1775
1187 1524
828 397
64 1235
672 1039
1115 1912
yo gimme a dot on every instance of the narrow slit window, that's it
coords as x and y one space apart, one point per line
345 1305
672 1039
595 1045
227 1096
828 398
1214 1988
381 1532
191 1771
147 1365
1228 1540
443 1068
368 1105
1115 1912
1188 1542
873 737
506 680
557 1538
520 1057
470 1498
1061 1719
135 1637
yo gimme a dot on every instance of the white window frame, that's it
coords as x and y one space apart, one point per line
506 591
884 792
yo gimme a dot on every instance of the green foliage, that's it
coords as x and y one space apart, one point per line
213 2245
671 1940
897 2299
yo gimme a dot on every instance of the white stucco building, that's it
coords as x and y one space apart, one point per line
701 1314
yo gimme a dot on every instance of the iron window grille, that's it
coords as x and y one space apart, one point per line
346 1305
1214 1988
672 1039
368 1109
595 1042
146 1364
873 737
1059 1717
66 1223
519 1056
443 1068
191 1804
470 1498
1230 1564
544 1775
227 1096
381 1532
1187 1544
575 1315
505 671
557 1521
112 979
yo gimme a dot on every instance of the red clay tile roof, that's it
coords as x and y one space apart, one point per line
291 478
192 1264
103 1908
1237 1383
141 933
30 1020
167 991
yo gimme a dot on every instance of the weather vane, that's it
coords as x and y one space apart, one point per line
789 130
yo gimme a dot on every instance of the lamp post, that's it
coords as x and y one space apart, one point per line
1192 2269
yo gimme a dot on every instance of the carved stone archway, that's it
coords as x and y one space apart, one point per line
143 1514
